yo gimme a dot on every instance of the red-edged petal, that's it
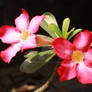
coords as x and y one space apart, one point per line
22 21
29 43
41 41
88 58
35 23
9 34
63 48
67 70
10 52
83 40
84 74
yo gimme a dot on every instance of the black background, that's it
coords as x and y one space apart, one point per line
79 11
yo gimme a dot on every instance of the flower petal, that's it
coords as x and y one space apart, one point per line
9 34
41 41
29 43
22 21
88 58
63 48
10 52
67 70
84 74
83 40
35 23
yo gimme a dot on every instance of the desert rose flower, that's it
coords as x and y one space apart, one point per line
77 57
20 37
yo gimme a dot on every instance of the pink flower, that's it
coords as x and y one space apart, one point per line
77 57
20 37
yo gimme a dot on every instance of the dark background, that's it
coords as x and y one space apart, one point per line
79 11
80 14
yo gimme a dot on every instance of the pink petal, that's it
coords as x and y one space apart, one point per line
84 74
9 34
35 23
41 41
83 40
22 21
29 43
67 70
88 58
10 52
63 48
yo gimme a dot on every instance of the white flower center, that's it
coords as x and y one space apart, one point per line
77 56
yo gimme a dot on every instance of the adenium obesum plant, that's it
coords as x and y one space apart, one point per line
77 57
22 36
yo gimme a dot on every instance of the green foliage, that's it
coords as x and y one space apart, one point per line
65 27
70 31
50 18
44 25
50 25
56 29
47 21
35 60
74 33
30 54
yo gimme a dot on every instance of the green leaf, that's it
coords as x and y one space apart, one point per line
36 61
48 20
65 26
44 25
32 54
56 29
74 33
70 32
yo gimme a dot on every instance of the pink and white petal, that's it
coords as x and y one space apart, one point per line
84 74
67 70
35 23
63 48
88 58
9 34
83 40
29 43
22 21
10 52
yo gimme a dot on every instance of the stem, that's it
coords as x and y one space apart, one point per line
46 85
